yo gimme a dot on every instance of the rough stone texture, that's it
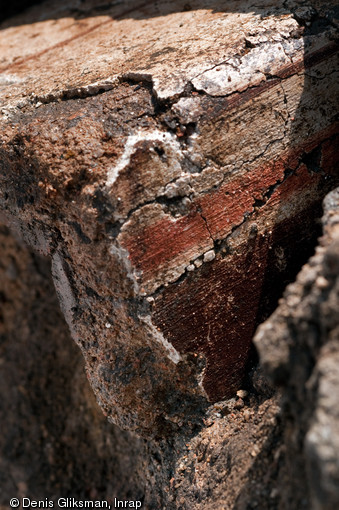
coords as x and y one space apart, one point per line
299 349
170 180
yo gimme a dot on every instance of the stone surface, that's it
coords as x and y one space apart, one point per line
299 348
170 181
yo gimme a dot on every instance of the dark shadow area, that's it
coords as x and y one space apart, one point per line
122 9
16 7
55 441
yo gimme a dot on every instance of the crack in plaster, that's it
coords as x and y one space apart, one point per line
170 138
130 146
100 87
81 92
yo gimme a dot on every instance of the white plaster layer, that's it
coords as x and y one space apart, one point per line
140 136
123 256
9 79
237 74
172 353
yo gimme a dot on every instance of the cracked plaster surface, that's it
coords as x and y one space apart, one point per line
31 70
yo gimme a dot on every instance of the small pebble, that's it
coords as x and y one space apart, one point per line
198 263
239 404
255 450
247 414
209 256
274 493
321 282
